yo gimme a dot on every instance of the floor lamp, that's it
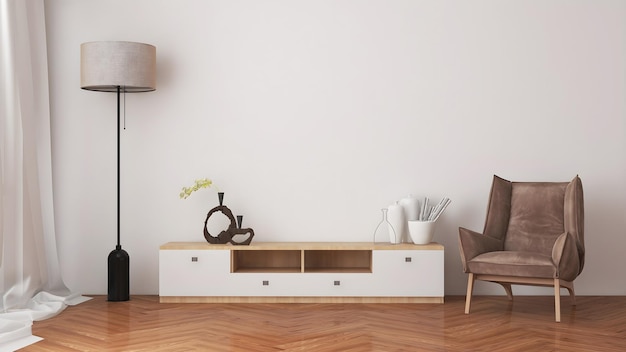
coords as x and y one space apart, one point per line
118 67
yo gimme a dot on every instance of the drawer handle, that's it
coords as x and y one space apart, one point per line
194 259
266 283
408 259
337 283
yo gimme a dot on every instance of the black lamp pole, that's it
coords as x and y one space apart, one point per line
119 260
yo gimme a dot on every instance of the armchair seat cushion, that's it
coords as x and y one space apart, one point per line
513 263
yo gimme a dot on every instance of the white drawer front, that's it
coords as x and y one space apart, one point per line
192 273
264 284
336 284
408 273
299 284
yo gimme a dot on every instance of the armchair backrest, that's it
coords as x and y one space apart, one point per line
529 216
536 218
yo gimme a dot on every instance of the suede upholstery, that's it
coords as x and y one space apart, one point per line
533 229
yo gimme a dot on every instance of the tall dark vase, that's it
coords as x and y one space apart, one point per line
119 277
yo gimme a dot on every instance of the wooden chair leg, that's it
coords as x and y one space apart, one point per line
557 300
570 288
470 288
509 291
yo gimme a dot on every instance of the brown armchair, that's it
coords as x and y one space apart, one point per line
533 235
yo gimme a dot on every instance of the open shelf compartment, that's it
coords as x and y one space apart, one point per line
338 261
266 261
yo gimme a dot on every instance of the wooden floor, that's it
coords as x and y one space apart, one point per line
495 324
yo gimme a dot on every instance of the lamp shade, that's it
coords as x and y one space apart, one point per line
105 66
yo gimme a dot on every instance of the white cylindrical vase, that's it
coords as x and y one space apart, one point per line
411 207
397 221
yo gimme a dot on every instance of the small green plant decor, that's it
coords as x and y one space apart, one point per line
199 184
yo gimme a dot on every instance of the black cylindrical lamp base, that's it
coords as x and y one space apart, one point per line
119 275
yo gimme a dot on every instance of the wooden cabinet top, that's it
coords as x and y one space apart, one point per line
301 246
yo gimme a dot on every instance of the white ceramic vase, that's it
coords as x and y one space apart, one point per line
411 207
397 221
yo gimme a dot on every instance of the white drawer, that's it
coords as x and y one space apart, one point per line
264 284
299 284
408 272
336 284
191 272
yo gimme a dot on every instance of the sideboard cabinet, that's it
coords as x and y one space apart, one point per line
301 272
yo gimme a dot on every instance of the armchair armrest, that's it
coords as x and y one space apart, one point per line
565 257
473 243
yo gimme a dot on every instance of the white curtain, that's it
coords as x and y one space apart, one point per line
31 286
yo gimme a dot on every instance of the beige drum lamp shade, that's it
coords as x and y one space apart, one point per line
105 66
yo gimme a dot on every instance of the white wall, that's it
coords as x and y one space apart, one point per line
313 115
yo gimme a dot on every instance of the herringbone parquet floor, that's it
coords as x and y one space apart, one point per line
495 324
